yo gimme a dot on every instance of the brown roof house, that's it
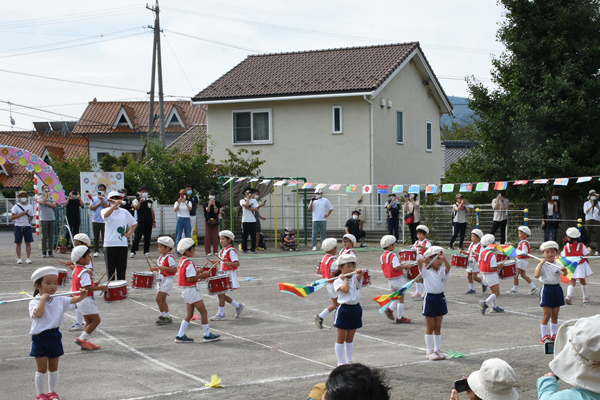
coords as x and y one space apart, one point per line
360 115
117 127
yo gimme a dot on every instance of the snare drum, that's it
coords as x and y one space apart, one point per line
509 270
460 261
366 278
219 284
501 257
413 272
142 280
62 276
213 272
117 291
407 255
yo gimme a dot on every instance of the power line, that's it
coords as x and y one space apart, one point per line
216 42
180 66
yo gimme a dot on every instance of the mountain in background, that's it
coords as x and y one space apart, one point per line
462 113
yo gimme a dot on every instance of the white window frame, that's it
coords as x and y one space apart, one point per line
46 154
430 125
122 113
341 131
253 142
401 112
170 117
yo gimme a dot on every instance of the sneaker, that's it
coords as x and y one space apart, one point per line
534 290
28 261
403 320
168 320
314 248
44 255
19 261
183 339
318 321
239 309
471 291
429 352
363 245
160 321
553 338
132 255
41 397
434 356
96 254
208 254
416 295
512 291
497 310
52 396
483 288
389 313
146 254
253 252
586 299
245 252
545 339
218 317
51 256
450 248
259 248
441 355
76 327
211 337
568 300
483 306
86 345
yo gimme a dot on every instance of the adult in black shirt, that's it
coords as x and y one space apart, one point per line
72 206
126 202
212 207
146 221
354 227
192 198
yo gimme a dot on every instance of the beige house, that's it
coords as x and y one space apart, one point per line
361 115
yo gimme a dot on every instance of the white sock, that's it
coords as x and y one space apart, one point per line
490 300
570 290
544 329
339 352
84 335
349 348
162 314
471 286
221 310
206 329
516 288
438 341
584 291
52 381
167 314
429 342
393 304
419 288
183 328
532 285
235 303
495 302
40 383
79 316
324 313
553 329
400 309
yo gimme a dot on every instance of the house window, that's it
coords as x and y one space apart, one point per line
100 156
399 126
252 127
174 119
429 139
337 119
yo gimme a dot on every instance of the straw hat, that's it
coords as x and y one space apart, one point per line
329 244
387 241
495 380
592 192
573 233
42 272
350 237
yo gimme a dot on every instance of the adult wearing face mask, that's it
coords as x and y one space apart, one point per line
22 214
321 209
192 198
146 221
591 208
500 205
354 226
182 207
46 207
212 208
126 204
99 203
249 207
117 223
73 206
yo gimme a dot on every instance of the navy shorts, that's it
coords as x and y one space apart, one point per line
23 231
348 316
552 296
434 305
47 344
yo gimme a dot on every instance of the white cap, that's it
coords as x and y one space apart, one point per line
78 252
184 244
387 241
329 244
318 190
478 232
525 230
227 234
83 238
488 239
351 237
432 251
495 380
166 241
42 272
115 193
423 228
573 233
549 245
345 259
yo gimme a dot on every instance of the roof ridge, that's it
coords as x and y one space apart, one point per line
335 49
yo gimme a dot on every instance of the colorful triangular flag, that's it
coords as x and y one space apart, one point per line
335 187
292 183
430 189
448 188
561 181
398 189
320 186
540 181
382 189
466 187
482 187
254 180
414 189
240 180
521 182
228 180
265 181
351 189
500 185
583 179
279 183
307 185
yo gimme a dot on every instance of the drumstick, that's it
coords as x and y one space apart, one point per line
102 277
148 261
113 275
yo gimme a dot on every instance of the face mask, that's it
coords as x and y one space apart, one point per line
23 199
211 197
593 198
355 217
145 195
189 192
319 196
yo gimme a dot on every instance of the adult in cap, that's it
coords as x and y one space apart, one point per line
591 208
146 221
550 213
321 209
99 202
182 208
459 221
249 207
119 226
354 226
22 214
495 380
411 206
392 209
500 205
212 210
576 361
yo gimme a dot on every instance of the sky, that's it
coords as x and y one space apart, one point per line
47 49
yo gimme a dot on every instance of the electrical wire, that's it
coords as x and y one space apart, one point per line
180 66
215 41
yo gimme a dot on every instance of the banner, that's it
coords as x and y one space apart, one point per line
482 187
448 188
351 189
431 189
466 187
366 189
540 181
500 185
307 185
320 186
398 189
91 180
335 187
583 179
382 189
414 189
523 182
561 181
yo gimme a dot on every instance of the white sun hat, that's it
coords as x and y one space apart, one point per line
495 380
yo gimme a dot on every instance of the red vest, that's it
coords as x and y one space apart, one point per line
484 261
182 279
386 261
76 282
163 261
524 246
573 250
325 265
422 243
475 250
348 251
224 255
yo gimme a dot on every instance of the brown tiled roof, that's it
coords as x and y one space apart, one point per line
100 116
354 69
190 137
37 143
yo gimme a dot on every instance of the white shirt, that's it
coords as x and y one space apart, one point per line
85 278
434 282
247 215
24 220
54 313
550 275
190 270
353 295
594 214
183 211
500 214
320 207
116 226
460 216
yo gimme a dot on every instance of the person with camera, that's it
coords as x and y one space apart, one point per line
99 203
550 212
249 207
182 207
127 204
46 207
146 221
212 209
192 198
500 206
392 207
576 361
115 242
591 208
321 209
411 207
22 214
495 380
354 226
73 206
260 244
459 220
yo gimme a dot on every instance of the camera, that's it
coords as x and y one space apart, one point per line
554 197
461 385
549 348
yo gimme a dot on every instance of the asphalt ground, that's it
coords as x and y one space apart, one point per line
274 350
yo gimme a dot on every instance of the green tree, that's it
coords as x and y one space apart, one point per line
456 131
243 163
68 169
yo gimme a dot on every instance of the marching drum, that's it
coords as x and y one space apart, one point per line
509 270
366 278
413 271
204 269
142 280
407 255
460 261
219 284
117 291
62 276
501 257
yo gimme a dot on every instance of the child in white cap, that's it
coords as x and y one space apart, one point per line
489 268
81 239
229 263
473 263
551 296
421 245
327 269
523 261
348 242
167 268
47 316
574 248
394 272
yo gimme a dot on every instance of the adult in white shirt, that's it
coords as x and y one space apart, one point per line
500 206
22 213
459 220
116 222
591 208
249 207
321 209
182 207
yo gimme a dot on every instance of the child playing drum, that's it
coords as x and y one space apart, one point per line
489 268
348 242
167 268
473 264
81 239
229 264
394 272
327 268
522 261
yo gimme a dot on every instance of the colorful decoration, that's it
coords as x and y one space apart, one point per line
320 186
414 189
307 185
431 189
583 179
384 300
482 187
240 180
500 185
335 187
570 263
279 183
398 189
351 189
292 183
382 189
215 382
540 181
561 181
265 181
367 189
522 182
299 290
448 188
466 187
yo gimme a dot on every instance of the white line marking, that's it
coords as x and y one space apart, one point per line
155 395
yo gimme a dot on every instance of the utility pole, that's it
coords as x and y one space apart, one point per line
156 62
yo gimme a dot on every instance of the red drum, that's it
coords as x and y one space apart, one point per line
501 257
366 278
509 270
460 261
213 272
219 284
117 291
408 255
62 276
413 272
142 280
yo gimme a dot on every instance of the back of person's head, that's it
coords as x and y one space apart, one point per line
357 382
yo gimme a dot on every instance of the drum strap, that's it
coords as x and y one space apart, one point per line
83 271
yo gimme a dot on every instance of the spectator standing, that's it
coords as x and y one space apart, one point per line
22 214
550 209
72 206
98 204
116 220
411 206
46 206
183 226
127 204
459 220
495 380
500 206
258 217
192 198
354 226
321 209
212 210
146 221
249 207
392 208
591 208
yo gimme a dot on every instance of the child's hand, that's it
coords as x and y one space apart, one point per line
103 288
564 271
83 292
95 283
214 261
154 269
359 273
441 255
44 297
